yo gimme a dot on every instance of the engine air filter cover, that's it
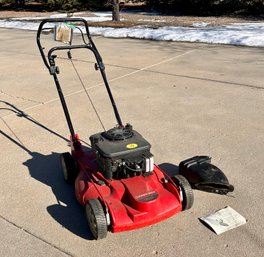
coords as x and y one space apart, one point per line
119 133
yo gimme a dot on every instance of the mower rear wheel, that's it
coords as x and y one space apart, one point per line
186 190
96 218
69 167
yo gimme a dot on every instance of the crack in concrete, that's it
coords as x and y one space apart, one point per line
36 236
20 97
114 79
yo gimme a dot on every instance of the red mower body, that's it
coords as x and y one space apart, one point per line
117 181
131 203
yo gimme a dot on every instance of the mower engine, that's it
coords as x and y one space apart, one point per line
122 152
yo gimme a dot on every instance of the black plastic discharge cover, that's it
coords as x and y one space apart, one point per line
205 176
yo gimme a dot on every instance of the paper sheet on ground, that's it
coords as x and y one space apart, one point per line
224 220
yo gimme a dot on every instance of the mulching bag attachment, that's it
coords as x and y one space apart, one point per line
203 175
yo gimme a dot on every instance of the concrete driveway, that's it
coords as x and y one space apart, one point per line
186 99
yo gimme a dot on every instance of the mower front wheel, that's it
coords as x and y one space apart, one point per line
69 167
186 190
95 216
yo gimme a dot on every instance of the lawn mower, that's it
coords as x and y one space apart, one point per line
116 180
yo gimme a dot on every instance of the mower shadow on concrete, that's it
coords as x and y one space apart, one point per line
19 113
67 211
46 169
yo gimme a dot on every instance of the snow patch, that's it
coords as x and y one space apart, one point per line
247 34
200 24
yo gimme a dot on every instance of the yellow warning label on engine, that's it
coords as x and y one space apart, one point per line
131 146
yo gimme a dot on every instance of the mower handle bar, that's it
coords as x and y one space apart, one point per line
60 20
70 47
50 63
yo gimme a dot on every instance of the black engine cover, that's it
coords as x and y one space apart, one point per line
120 149
111 153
